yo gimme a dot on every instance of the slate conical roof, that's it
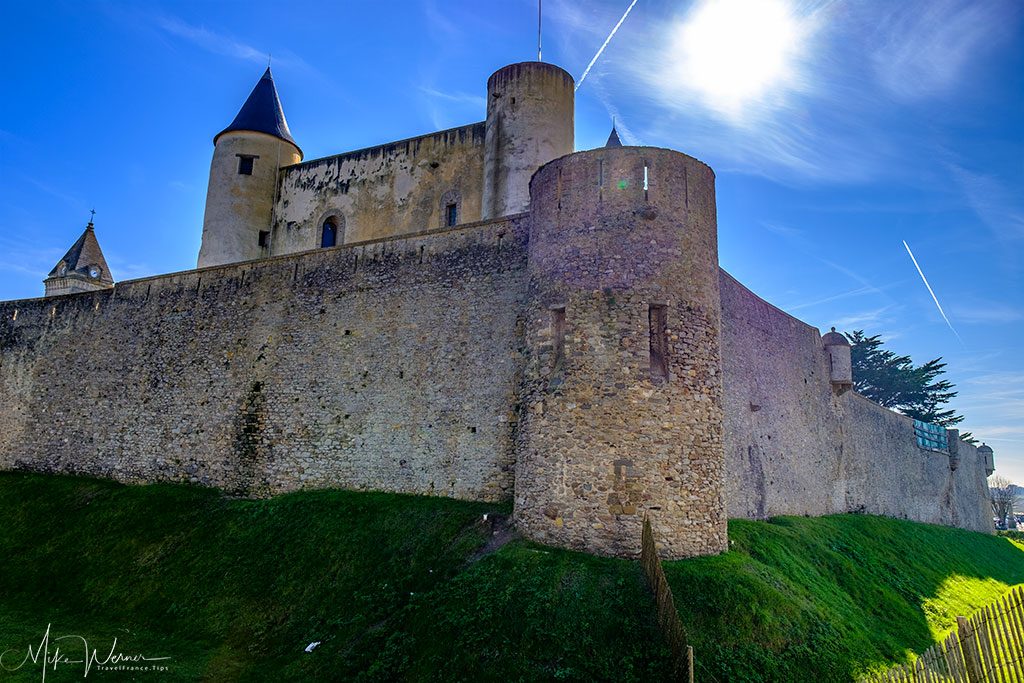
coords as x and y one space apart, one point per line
262 112
84 255
613 139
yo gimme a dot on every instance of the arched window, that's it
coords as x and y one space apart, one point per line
451 209
329 234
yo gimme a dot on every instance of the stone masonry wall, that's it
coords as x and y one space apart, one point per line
619 237
792 447
388 366
381 192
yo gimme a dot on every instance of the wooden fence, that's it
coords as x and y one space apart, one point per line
987 648
668 617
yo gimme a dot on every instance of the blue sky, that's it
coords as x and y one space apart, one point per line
837 130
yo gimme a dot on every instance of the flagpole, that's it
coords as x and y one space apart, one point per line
539 4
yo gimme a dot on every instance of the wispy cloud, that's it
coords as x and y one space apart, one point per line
223 44
835 297
921 49
987 313
22 255
999 208
797 238
71 200
869 319
829 119
476 101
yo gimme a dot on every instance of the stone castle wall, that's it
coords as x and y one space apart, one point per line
792 447
588 357
389 366
382 192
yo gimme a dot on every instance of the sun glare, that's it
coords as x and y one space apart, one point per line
735 51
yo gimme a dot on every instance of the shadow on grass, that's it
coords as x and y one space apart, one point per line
824 599
235 589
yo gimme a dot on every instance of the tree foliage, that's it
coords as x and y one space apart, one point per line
895 382
1003 497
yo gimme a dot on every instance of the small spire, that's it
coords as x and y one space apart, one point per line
613 139
92 214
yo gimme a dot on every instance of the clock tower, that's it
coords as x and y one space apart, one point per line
82 269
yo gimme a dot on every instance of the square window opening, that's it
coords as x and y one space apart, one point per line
245 164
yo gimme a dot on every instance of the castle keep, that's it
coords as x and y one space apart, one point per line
482 313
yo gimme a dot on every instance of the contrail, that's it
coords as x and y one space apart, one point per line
930 291
607 40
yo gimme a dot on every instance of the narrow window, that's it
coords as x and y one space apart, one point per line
451 214
645 183
245 163
557 337
657 317
329 234
264 238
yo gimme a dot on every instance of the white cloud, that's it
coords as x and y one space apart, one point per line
872 318
999 208
221 44
987 313
922 49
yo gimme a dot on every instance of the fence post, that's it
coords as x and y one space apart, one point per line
668 617
972 661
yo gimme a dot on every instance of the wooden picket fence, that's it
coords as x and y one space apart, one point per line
668 618
987 648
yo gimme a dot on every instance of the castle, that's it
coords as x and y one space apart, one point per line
482 313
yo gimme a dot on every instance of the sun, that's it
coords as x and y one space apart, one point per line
734 51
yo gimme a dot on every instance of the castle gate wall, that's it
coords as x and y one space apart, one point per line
792 447
380 192
388 365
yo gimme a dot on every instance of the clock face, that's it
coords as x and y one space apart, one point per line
94 272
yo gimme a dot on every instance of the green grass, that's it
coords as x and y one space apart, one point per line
393 587
828 598
235 589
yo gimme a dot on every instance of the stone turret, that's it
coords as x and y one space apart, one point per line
530 109
622 404
840 363
988 458
81 269
247 157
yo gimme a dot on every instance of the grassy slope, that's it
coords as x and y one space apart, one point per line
234 589
825 599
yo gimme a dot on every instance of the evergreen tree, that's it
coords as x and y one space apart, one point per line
894 381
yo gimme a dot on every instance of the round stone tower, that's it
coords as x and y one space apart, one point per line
530 109
622 408
247 158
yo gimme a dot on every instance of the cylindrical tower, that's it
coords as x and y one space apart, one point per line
247 159
530 110
840 362
622 407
